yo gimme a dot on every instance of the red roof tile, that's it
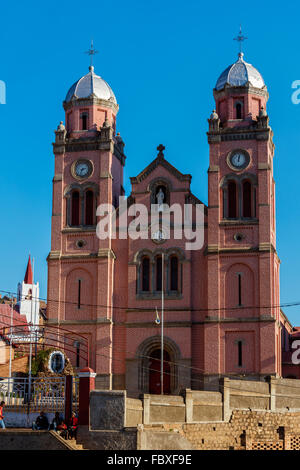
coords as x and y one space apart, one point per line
5 318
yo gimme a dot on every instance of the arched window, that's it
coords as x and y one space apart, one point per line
146 274
158 276
232 200
75 208
247 199
174 273
238 111
89 208
29 295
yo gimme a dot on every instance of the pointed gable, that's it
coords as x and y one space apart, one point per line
160 160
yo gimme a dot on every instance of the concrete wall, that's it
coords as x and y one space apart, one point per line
125 439
276 395
285 394
107 409
19 418
134 412
31 440
114 410
206 406
242 415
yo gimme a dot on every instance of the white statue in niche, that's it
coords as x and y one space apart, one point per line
160 199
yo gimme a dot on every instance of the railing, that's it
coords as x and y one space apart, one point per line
47 393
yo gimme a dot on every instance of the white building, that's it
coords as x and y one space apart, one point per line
28 297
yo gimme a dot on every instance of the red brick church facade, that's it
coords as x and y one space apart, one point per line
221 302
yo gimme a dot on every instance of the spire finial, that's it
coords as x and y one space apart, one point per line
28 279
240 38
91 52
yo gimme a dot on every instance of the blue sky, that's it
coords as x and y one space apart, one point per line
162 59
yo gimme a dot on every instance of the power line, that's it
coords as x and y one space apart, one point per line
191 379
139 309
176 364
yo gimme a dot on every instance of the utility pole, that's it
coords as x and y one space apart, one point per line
10 347
162 328
30 336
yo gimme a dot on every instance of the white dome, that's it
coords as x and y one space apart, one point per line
91 84
239 74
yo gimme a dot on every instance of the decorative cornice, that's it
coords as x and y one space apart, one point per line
264 166
97 142
78 229
238 222
106 253
244 133
213 169
91 101
263 247
229 90
215 249
102 253
106 175
265 318
98 321
58 177
268 247
170 324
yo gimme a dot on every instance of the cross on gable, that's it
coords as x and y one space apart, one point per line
161 149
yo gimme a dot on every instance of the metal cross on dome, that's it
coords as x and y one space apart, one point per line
91 52
240 38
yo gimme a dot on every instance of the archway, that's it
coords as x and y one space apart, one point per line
148 355
155 372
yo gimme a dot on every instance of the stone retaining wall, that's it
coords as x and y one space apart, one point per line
246 430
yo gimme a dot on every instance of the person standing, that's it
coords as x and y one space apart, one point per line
73 425
2 424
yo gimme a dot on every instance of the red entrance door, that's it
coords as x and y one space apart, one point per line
155 373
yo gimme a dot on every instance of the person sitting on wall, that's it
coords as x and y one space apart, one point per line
73 425
41 422
62 430
57 420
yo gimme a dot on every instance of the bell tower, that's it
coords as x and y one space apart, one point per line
89 161
242 332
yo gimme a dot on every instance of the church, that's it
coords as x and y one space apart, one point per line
221 302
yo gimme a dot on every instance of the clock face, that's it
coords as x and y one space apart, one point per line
239 160
82 169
